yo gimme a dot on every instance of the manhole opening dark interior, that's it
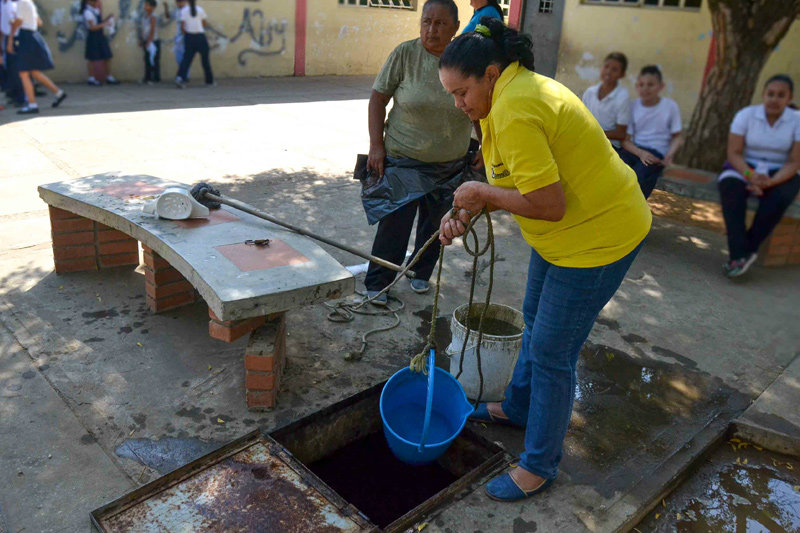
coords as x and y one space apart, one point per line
344 446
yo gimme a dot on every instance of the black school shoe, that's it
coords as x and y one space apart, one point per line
28 111
59 99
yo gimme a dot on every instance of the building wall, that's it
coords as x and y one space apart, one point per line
676 40
248 38
345 40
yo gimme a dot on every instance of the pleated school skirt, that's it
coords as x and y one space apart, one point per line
97 48
32 52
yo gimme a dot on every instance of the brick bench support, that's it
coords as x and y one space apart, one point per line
264 361
81 244
231 330
166 287
697 202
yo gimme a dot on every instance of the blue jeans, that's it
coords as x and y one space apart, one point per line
646 174
561 305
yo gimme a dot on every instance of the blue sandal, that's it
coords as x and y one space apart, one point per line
482 414
503 488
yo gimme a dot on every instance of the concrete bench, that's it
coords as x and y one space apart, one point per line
702 208
97 222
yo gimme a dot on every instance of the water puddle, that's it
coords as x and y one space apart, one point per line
629 416
739 488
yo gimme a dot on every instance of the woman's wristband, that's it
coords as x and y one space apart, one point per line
748 173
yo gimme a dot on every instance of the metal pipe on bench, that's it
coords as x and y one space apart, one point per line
241 206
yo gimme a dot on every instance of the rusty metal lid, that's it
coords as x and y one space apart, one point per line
252 484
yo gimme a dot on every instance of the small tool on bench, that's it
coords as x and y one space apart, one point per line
212 199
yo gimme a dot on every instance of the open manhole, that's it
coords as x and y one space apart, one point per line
331 471
737 487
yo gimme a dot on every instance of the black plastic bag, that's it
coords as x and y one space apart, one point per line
405 180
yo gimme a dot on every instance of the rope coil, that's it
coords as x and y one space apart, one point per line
345 312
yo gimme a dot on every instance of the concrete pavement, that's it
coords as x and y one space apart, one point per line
110 369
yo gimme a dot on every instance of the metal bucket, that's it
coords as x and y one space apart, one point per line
500 347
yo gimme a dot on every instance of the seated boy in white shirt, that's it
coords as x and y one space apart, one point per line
608 101
654 131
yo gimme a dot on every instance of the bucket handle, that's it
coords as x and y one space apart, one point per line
429 400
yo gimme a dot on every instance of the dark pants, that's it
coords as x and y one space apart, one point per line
13 82
646 174
733 194
196 43
394 230
153 72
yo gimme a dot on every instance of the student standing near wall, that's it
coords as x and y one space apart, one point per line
33 56
98 52
193 25
14 90
151 44
178 43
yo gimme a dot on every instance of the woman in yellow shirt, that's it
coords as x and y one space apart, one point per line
578 205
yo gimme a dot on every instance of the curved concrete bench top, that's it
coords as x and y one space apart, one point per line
236 280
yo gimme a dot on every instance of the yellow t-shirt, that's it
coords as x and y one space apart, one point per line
539 133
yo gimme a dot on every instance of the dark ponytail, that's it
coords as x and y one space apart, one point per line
496 5
492 43
193 7
83 6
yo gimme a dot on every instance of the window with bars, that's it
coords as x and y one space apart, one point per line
669 4
390 4
505 5
545 6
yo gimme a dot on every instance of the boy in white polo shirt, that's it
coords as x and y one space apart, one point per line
654 131
608 101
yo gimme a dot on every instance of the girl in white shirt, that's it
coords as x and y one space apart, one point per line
98 51
763 161
193 25
149 40
33 55
608 100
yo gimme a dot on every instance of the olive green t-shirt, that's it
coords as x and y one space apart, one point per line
424 123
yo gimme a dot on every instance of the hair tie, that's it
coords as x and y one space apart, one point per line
483 30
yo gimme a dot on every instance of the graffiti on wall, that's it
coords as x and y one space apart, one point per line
268 40
267 36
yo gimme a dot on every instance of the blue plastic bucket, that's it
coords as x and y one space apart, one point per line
420 427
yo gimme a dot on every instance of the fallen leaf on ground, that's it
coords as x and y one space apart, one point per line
138 344
209 367
221 421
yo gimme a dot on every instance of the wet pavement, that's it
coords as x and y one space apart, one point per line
688 345
739 488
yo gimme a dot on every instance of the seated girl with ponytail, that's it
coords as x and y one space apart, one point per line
579 207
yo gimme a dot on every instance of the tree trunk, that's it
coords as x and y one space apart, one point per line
746 32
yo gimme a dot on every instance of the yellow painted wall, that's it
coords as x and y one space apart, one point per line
784 60
346 40
263 47
676 40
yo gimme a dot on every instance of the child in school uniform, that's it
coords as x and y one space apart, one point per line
151 44
33 56
193 25
13 86
178 43
98 52
654 130
608 101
